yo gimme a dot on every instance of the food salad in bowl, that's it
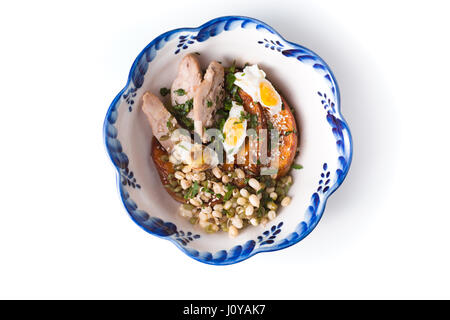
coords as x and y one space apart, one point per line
228 139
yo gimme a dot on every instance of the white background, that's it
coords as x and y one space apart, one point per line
64 232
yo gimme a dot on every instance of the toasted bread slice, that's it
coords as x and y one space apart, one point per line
285 123
164 167
254 109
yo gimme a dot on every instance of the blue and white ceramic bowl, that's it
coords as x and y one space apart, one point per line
305 81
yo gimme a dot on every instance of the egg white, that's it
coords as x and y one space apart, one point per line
182 152
250 79
235 113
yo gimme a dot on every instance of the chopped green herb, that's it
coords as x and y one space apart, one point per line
229 214
261 212
188 123
229 192
209 104
222 113
169 124
221 123
253 121
192 191
208 190
289 132
297 166
228 195
268 181
229 81
264 200
244 116
286 188
164 138
232 69
164 91
180 92
235 94
183 109
269 125
227 104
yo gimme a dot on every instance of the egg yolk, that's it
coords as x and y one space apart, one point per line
233 129
268 94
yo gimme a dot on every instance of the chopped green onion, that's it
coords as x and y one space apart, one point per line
229 192
164 91
229 81
169 125
253 121
180 92
164 138
192 191
227 104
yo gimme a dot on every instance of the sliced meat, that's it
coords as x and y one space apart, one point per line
188 79
159 119
208 97
168 137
